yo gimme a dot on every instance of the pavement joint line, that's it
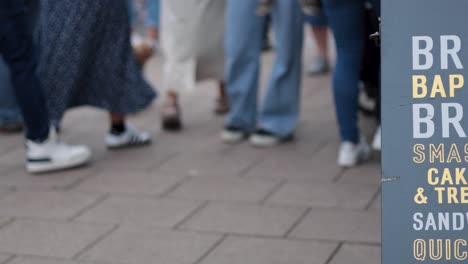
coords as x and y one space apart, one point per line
339 175
191 214
95 242
297 222
253 203
334 253
94 204
173 187
9 259
275 189
373 199
56 259
7 222
319 147
211 249
274 237
243 173
79 181
160 163
117 194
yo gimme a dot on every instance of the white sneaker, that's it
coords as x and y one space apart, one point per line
53 155
232 135
131 137
318 66
351 154
377 143
264 139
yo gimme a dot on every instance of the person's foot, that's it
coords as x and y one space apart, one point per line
52 155
377 142
171 114
350 154
130 137
318 66
233 135
264 138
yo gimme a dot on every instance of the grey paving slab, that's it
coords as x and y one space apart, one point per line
140 211
130 182
4 192
340 225
48 238
212 164
377 204
59 205
37 260
10 141
139 159
136 245
354 196
214 189
320 167
4 258
13 157
4 220
357 254
368 173
269 251
19 178
244 219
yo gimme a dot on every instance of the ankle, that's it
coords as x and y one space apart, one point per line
118 128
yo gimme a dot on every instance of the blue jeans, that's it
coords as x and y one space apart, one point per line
279 112
152 8
346 19
9 112
16 46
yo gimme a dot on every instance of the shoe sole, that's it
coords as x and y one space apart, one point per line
50 167
260 142
129 146
231 139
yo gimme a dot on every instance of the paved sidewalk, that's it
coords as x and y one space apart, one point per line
189 199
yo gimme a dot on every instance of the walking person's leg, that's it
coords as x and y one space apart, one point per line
346 18
243 45
319 30
279 112
16 46
10 117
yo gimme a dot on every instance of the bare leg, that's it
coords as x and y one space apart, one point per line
153 33
320 65
117 119
321 38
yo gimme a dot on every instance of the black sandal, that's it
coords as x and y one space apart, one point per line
171 115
